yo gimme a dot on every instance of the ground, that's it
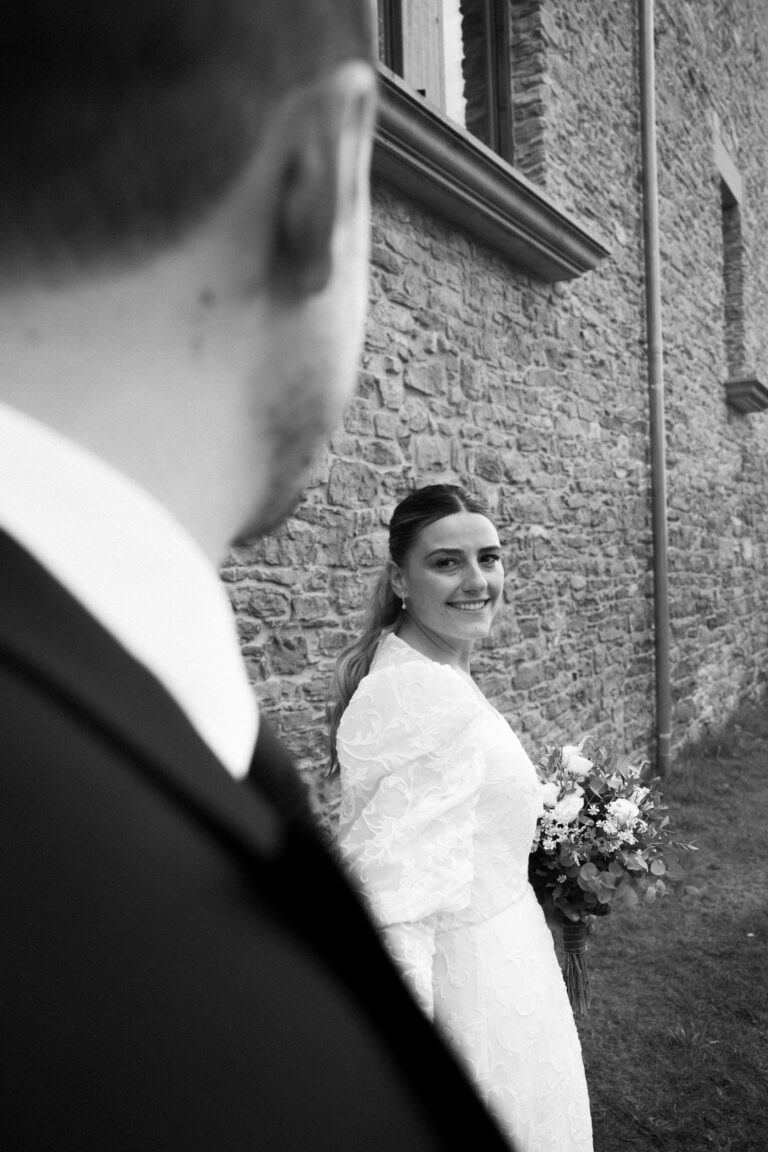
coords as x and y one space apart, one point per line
676 1041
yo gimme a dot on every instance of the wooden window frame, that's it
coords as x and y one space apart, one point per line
489 67
390 16
496 33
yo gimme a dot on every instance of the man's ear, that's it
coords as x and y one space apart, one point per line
325 157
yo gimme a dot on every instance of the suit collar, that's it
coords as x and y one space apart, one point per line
52 639
135 569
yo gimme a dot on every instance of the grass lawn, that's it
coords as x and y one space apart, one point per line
676 1041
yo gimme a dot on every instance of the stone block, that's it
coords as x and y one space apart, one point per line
286 655
351 484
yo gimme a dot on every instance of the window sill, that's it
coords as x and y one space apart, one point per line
746 394
439 164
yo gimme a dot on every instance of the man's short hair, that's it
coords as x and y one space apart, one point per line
121 124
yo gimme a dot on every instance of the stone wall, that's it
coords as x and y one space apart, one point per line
536 395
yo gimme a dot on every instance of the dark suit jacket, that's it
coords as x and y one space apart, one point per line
182 966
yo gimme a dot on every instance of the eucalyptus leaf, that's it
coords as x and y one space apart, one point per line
627 895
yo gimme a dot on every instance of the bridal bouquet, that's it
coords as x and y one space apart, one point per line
603 839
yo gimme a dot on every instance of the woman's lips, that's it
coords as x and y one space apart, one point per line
468 605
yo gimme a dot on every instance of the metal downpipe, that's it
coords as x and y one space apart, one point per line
655 385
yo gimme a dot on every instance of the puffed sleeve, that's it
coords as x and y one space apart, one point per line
411 766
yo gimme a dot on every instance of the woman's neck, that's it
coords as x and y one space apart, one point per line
435 647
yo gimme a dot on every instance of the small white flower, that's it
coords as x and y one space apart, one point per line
574 764
567 809
549 794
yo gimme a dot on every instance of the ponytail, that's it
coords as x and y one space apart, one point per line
355 661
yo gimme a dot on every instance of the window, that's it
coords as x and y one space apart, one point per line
454 53
444 134
733 280
744 391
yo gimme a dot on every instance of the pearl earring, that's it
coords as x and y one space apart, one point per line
403 604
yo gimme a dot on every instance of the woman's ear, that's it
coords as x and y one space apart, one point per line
396 579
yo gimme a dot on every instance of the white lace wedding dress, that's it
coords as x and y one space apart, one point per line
438 808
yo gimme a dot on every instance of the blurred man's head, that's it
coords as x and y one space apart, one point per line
121 124
183 214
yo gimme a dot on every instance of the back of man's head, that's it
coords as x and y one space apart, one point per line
121 125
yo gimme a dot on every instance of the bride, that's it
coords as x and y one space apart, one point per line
438 808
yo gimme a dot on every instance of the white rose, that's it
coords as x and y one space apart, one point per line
549 794
574 763
567 809
623 811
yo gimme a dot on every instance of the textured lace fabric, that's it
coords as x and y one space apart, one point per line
438 808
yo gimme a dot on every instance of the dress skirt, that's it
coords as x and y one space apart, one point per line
500 996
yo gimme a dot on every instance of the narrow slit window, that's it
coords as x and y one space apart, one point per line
733 281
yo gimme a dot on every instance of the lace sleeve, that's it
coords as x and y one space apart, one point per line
411 766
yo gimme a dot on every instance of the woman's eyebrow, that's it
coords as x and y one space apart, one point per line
461 551
445 552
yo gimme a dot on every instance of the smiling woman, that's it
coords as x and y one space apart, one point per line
439 804
417 529
451 583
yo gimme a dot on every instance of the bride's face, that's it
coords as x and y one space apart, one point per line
453 578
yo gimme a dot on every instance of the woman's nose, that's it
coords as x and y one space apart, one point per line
475 579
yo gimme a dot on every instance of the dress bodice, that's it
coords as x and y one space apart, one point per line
439 799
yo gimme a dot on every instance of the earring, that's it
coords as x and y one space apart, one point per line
403 604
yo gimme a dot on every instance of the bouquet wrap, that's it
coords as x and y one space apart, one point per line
575 967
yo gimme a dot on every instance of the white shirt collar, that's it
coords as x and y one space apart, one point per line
123 556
